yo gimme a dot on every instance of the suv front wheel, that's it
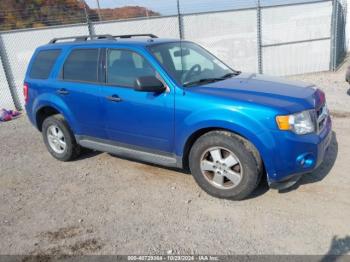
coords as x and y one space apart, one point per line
225 165
59 139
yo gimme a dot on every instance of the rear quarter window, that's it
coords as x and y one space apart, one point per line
81 65
43 64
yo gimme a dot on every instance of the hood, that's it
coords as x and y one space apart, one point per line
282 94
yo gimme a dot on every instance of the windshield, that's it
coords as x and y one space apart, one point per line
190 64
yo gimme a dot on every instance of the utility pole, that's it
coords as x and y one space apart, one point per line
99 10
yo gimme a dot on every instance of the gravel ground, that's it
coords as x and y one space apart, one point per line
101 204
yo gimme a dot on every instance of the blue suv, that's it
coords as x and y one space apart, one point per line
172 103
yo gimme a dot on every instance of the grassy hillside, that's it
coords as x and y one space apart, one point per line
126 12
17 14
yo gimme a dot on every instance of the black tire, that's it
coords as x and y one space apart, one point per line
72 149
244 151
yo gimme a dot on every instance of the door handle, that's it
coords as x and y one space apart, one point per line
114 98
62 91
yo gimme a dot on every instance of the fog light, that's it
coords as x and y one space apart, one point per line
306 160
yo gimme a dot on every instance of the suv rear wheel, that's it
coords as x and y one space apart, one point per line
225 165
59 139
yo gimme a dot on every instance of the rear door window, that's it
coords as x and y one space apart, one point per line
43 64
81 65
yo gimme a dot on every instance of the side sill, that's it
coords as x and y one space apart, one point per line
131 152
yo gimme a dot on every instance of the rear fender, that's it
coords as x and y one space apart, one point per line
51 100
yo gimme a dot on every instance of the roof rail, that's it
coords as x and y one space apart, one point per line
130 36
92 37
82 38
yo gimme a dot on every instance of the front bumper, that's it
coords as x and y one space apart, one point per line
295 155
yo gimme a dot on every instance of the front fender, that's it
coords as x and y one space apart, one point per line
239 122
56 102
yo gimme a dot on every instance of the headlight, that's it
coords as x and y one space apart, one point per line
300 123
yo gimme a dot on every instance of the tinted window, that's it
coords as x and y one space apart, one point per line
123 67
81 65
43 64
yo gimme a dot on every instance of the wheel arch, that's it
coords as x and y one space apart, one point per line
43 113
257 145
191 140
49 104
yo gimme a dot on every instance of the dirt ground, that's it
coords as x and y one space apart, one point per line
101 204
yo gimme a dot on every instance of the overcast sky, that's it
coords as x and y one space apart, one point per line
168 7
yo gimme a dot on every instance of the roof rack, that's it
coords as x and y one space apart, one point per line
93 37
130 36
82 38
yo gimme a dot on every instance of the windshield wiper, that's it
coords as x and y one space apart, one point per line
211 80
236 73
202 81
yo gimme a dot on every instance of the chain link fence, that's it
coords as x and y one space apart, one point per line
296 39
267 36
230 35
18 47
6 100
339 41
165 26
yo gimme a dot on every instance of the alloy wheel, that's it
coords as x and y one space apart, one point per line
221 168
56 139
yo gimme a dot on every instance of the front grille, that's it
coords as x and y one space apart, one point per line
322 115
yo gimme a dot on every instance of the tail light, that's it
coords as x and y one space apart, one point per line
26 92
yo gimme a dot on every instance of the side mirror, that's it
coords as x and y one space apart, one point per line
149 84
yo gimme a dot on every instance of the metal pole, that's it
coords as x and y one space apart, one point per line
9 75
99 10
180 20
336 35
259 38
331 62
90 26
